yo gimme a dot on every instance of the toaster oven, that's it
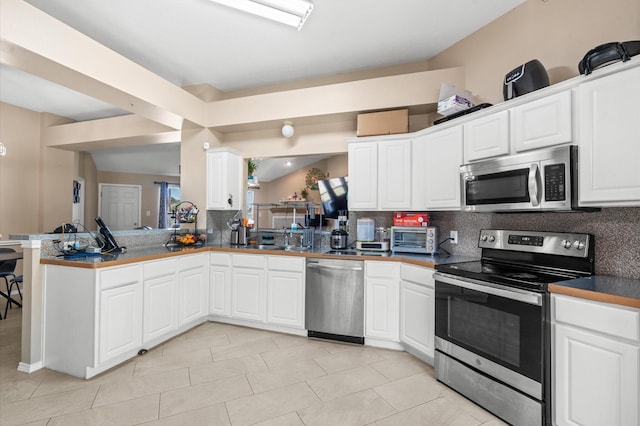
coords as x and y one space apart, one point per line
414 239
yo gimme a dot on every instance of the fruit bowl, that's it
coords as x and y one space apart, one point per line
188 239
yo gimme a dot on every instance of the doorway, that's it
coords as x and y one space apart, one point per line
119 205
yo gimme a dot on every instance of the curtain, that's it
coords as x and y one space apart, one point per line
164 202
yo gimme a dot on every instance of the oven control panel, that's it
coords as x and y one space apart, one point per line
557 243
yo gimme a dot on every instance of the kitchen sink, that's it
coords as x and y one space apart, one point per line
265 247
293 248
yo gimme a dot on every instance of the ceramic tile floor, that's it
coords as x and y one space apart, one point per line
218 374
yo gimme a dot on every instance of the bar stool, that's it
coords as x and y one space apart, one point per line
7 269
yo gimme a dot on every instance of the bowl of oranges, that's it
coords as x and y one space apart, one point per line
187 239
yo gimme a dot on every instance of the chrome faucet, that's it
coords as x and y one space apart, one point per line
287 235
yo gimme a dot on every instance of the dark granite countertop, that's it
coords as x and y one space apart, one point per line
601 288
608 289
159 252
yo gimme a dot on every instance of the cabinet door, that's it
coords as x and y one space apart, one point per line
608 140
596 379
248 299
486 137
120 326
542 123
419 176
417 323
193 295
363 176
160 306
394 183
224 179
285 298
442 168
382 301
220 290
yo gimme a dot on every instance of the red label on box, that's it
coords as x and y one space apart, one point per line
411 219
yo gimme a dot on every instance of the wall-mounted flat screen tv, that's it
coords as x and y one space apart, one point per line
333 196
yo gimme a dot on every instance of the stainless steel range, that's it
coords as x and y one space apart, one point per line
493 342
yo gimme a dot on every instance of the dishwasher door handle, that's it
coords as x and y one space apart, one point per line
334 267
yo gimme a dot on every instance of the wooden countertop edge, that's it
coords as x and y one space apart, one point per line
189 250
109 263
595 296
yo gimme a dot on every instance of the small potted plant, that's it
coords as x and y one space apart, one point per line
251 168
304 193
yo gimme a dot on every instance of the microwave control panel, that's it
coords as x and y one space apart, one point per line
554 182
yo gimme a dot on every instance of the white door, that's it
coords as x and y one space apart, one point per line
120 205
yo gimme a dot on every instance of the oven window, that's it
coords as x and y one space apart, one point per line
506 331
499 188
498 334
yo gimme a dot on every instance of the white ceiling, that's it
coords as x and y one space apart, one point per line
196 41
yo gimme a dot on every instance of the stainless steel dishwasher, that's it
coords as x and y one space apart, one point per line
334 307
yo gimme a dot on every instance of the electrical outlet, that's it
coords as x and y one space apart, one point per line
454 237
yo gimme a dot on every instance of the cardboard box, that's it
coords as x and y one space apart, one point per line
411 219
452 100
383 123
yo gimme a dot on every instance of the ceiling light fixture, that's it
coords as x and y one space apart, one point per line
287 130
288 12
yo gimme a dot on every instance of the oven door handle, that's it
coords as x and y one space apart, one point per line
534 184
484 287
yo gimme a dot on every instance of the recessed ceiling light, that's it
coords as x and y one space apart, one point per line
288 163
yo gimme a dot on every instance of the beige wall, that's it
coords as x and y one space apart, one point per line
557 32
150 196
19 170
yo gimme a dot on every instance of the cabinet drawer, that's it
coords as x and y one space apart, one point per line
382 269
160 268
220 259
285 263
617 321
119 276
191 262
416 274
249 261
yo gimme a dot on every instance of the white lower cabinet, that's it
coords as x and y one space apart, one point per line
596 363
248 294
160 299
193 288
120 323
382 304
285 291
417 308
120 311
220 284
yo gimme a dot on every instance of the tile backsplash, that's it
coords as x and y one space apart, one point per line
616 231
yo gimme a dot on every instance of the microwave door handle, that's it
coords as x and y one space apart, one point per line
534 184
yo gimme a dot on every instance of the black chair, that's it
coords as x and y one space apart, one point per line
15 281
7 269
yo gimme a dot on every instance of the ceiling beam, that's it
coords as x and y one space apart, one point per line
126 130
38 44
399 91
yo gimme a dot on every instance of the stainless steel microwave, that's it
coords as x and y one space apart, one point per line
540 180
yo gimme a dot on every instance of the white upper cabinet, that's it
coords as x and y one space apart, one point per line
486 137
363 176
224 179
442 168
542 123
380 175
609 140
394 183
